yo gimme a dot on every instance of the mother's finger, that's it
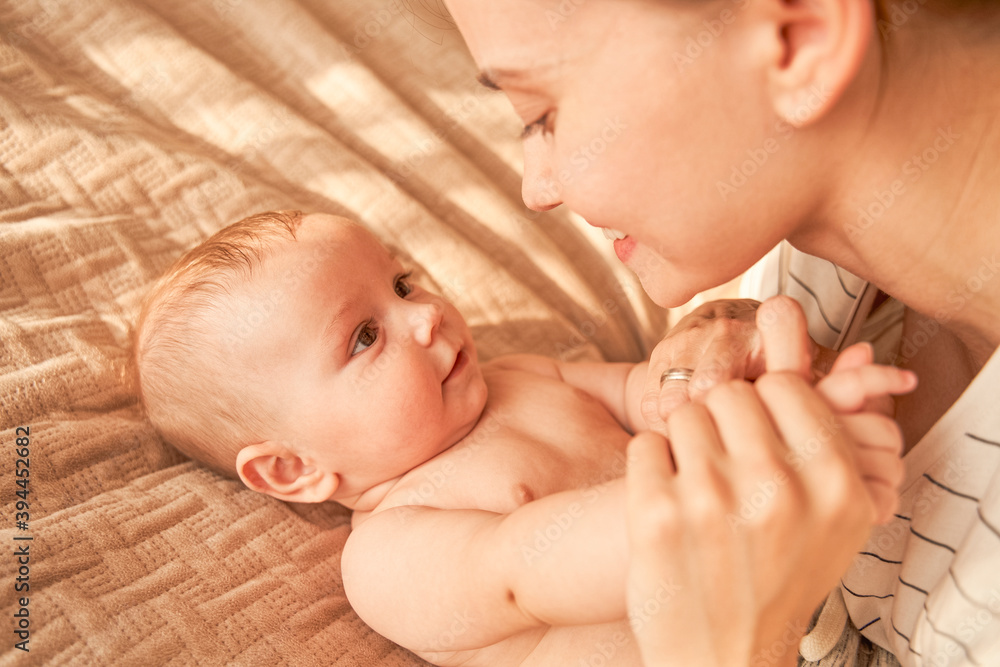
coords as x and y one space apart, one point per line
871 430
695 442
650 466
659 397
674 390
650 497
785 336
881 465
878 460
820 448
747 433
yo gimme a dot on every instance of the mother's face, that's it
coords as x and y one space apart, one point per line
649 119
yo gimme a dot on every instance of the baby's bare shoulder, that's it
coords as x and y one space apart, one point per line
529 363
482 476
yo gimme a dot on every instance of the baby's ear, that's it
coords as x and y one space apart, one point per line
269 467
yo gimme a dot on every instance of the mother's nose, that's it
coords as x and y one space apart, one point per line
540 189
424 319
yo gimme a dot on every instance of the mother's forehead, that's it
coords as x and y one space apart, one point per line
513 35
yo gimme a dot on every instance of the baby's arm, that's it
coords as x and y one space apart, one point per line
617 385
439 580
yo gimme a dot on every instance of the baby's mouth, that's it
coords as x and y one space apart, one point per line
461 361
613 234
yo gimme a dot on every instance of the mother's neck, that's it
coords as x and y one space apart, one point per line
917 208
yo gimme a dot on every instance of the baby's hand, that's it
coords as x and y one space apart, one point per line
860 392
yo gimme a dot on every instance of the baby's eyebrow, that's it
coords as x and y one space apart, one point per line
332 332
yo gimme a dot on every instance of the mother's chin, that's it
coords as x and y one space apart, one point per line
667 284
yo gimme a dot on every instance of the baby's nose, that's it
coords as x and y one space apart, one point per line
425 318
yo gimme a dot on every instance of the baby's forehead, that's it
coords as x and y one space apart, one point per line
332 252
330 267
334 233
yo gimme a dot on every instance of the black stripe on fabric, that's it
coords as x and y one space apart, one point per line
986 523
816 299
874 620
927 539
950 490
983 440
865 595
896 630
836 269
916 588
884 560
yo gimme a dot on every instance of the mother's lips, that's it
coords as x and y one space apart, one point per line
624 248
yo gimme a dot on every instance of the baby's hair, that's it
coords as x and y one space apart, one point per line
184 360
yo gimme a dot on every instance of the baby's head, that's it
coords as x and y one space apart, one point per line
295 352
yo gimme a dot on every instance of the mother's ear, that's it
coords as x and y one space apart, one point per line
818 48
269 467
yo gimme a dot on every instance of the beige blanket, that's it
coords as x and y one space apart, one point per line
131 130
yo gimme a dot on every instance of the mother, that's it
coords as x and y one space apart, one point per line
872 133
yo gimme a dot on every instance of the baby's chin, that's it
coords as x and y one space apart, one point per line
477 393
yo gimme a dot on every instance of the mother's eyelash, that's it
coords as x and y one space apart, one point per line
530 128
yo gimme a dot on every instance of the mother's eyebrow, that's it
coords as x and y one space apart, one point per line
500 78
487 80
496 79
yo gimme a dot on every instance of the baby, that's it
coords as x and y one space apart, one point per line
296 353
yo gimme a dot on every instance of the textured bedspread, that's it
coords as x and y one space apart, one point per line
129 131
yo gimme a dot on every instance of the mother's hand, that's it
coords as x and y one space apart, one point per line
719 341
749 516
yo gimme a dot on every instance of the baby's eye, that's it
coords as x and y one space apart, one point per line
402 286
366 337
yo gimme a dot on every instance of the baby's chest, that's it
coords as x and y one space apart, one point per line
532 441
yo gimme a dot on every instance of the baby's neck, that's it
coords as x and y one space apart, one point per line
370 498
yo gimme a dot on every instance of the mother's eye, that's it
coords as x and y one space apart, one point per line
402 286
545 123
